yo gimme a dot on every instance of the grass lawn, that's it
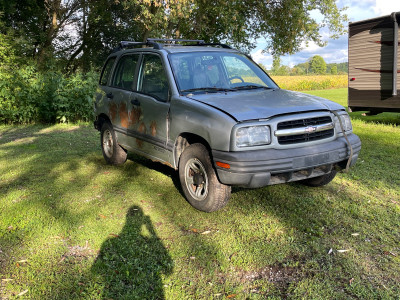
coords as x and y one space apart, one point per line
73 227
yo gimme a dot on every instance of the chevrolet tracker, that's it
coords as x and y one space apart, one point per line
213 114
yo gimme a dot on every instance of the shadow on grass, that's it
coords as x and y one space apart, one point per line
382 118
49 188
33 159
131 264
308 222
312 221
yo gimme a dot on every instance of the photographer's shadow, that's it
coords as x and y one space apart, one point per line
132 263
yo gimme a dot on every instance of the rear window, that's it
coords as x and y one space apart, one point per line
125 72
105 75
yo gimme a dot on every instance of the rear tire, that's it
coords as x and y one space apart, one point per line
320 180
113 153
199 181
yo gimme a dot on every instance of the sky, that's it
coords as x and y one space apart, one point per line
336 50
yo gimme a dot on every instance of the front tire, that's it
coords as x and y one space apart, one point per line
113 153
199 181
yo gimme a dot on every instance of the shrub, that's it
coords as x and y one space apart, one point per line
28 96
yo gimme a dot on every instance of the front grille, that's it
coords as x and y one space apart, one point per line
304 122
307 137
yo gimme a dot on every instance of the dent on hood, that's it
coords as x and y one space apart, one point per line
252 105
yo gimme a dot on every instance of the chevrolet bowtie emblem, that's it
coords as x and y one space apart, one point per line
310 129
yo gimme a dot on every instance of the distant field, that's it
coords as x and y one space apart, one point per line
317 82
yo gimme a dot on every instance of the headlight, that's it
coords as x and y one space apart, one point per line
253 136
346 122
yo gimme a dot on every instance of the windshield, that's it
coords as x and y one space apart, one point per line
217 71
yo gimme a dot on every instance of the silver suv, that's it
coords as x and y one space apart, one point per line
214 115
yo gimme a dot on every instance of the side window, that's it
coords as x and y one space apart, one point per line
239 72
153 80
125 72
107 71
182 71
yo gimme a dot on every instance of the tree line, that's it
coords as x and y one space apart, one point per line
315 65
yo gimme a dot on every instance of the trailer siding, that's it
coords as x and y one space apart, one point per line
371 65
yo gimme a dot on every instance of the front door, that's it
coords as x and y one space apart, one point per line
150 109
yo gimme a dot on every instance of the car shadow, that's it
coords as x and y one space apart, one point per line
159 167
386 118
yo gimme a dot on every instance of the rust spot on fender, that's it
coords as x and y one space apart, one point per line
139 143
123 115
153 128
163 162
134 115
113 111
141 129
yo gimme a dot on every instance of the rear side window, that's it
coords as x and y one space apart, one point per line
153 80
107 71
125 72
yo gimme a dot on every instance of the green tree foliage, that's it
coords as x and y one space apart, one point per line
276 64
50 42
46 25
333 70
28 95
337 68
318 65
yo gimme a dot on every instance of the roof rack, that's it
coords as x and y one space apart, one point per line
150 42
129 44
173 41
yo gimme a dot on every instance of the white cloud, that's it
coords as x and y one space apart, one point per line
336 50
310 48
262 58
386 7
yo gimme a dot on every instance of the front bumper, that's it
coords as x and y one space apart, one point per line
260 168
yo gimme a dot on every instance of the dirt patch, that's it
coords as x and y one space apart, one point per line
275 274
3 260
77 253
278 276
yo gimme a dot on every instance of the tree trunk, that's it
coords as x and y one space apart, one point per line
45 51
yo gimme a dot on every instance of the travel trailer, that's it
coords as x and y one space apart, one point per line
374 65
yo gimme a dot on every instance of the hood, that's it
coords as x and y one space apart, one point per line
263 104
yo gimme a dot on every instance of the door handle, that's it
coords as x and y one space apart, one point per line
110 95
135 102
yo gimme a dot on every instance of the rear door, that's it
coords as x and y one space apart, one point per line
120 92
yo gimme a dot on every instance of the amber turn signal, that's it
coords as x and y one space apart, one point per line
223 165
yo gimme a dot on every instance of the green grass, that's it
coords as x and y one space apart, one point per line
340 96
72 227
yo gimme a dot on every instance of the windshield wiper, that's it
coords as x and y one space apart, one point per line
211 89
251 86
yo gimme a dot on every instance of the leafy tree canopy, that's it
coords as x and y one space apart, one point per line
80 33
318 64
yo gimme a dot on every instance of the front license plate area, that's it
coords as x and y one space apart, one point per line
315 160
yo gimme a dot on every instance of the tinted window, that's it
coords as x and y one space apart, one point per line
125 72
153 80
107 71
